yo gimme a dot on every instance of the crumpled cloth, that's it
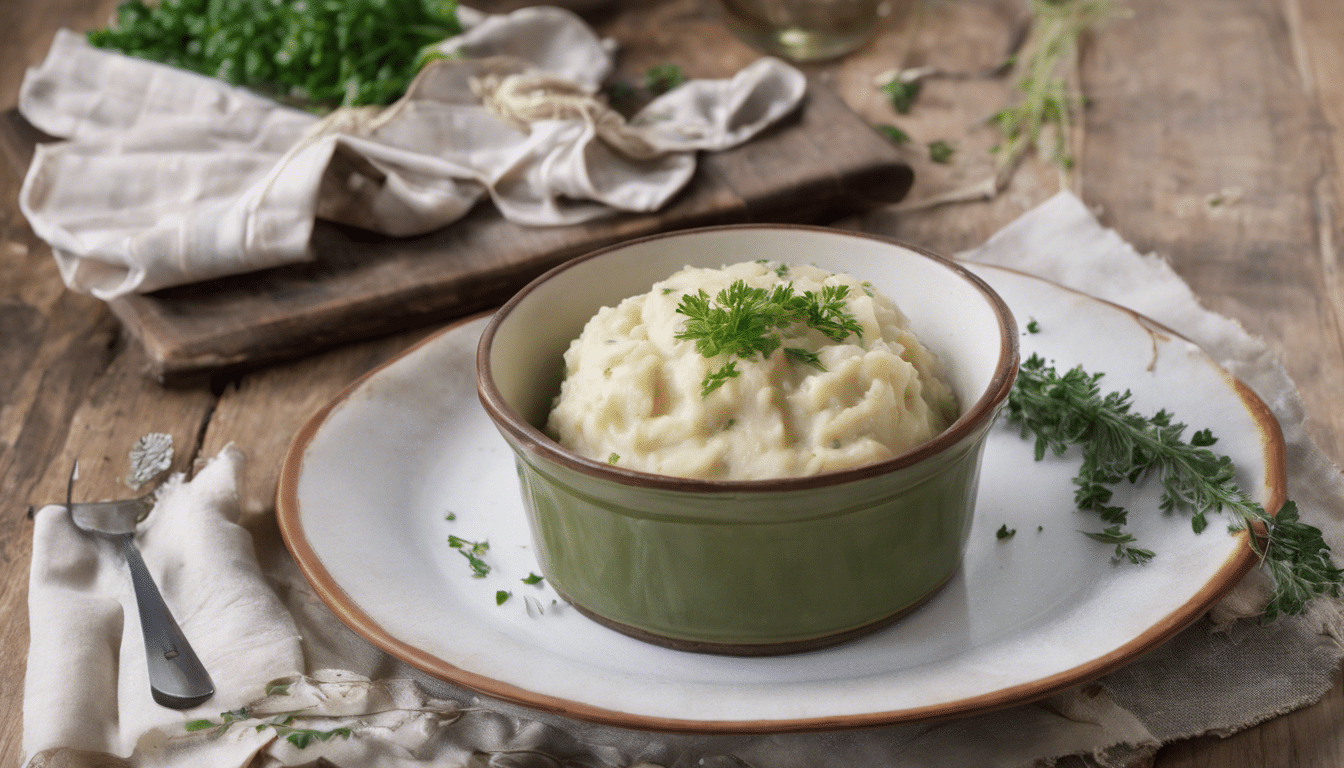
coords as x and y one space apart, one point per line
274 648
169 177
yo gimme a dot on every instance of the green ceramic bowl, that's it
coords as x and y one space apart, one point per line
761 566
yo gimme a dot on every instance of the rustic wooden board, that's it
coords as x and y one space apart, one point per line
822 162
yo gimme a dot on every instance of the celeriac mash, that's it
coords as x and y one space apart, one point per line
634 394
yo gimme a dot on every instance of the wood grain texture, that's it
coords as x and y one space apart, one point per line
1288 288
261 413
1222 181
1215 137
966 39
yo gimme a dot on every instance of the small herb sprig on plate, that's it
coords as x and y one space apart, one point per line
1068 409
742 320
324 54
472 550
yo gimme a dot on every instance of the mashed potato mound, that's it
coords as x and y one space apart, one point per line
632 390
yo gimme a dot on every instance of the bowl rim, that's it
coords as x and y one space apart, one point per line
536 441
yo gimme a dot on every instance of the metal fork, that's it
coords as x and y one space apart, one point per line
177 678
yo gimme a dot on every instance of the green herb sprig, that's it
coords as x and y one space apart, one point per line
743 321
941 152
282 725
1047 97
901 93
324 54
472 551
1121 540
1063 410
894 135
661 78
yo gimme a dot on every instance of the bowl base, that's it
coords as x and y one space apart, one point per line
778 648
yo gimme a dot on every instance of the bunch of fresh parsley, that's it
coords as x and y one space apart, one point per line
1063 410
743 320
325 54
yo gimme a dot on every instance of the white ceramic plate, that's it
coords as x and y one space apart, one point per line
370 479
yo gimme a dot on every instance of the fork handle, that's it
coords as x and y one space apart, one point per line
176 676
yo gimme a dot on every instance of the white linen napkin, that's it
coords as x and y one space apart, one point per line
169 177
275 648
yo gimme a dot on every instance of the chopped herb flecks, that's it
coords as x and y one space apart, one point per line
894 135
902 93
472 550
941 152
663 78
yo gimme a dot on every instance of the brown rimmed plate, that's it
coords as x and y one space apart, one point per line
372 479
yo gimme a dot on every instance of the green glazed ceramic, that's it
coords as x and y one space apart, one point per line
762 566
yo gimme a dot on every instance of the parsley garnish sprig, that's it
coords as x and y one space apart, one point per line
1068 409
743 320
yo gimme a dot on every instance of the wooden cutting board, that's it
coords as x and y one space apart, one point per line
822 163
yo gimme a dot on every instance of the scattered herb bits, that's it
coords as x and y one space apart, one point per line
894 135
532 578
501 596
472 551
323 54
941 152
663 78
1005 532
901 94
277 687
1121 540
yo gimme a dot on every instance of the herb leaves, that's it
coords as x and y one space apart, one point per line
317 53
1047 99
281 724
1063 410
472 550
743 320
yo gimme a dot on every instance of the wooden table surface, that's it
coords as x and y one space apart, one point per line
1213 135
